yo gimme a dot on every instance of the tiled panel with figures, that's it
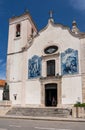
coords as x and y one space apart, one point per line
34 67
69 62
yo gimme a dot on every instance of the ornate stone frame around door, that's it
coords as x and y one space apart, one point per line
51 80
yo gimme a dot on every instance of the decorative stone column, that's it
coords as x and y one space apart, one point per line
42 95
59 93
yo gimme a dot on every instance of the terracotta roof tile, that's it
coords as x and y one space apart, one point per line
2 83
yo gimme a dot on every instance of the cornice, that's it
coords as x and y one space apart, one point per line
51 79
14 53
50 56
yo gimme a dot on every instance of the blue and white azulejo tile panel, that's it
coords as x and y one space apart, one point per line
69 62
34 67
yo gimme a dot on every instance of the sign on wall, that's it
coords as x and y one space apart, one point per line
69 62
34 67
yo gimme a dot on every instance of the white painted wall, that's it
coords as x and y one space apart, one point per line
71 89
1 93
33 92
16 67
62 38
15 44
16 89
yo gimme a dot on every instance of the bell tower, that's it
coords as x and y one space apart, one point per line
21 29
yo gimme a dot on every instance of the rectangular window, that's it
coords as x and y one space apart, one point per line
51 68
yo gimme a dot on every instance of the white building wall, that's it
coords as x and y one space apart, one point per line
16 67
71 90
44 68
11 37
16 43
1 93
64 40
16 90
52 35
33 92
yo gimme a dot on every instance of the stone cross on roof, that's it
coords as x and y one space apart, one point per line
51 13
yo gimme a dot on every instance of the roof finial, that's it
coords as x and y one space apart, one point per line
74 27
51 13
51 17
26 10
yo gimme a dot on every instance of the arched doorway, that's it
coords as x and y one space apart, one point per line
51 95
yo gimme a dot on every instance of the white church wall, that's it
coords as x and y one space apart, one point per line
16 67
44 68
8 68
16 43
16 93
64 40
83 55
33 92
11 38
83 67
19 68
26 32
54 36
71 90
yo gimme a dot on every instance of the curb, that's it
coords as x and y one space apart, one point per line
44 118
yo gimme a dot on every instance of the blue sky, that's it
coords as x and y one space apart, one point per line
65 11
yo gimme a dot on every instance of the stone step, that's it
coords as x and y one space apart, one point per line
4 110
41 112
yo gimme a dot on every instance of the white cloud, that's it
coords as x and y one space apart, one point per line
78 4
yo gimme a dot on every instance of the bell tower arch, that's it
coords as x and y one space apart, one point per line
21 29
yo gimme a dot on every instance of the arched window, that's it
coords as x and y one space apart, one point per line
51 68
18 30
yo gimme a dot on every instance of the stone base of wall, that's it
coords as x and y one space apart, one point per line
78 112
5 106
5 103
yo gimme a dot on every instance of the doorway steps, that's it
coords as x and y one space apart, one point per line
39 112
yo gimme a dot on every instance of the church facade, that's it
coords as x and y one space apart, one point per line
45 68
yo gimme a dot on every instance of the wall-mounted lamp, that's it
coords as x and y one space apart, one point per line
15 96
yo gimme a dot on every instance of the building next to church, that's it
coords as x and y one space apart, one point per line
2 84
45 68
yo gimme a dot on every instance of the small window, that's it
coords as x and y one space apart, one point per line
18 30
51 68
51 49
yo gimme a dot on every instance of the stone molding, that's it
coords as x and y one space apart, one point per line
48 80
44 57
